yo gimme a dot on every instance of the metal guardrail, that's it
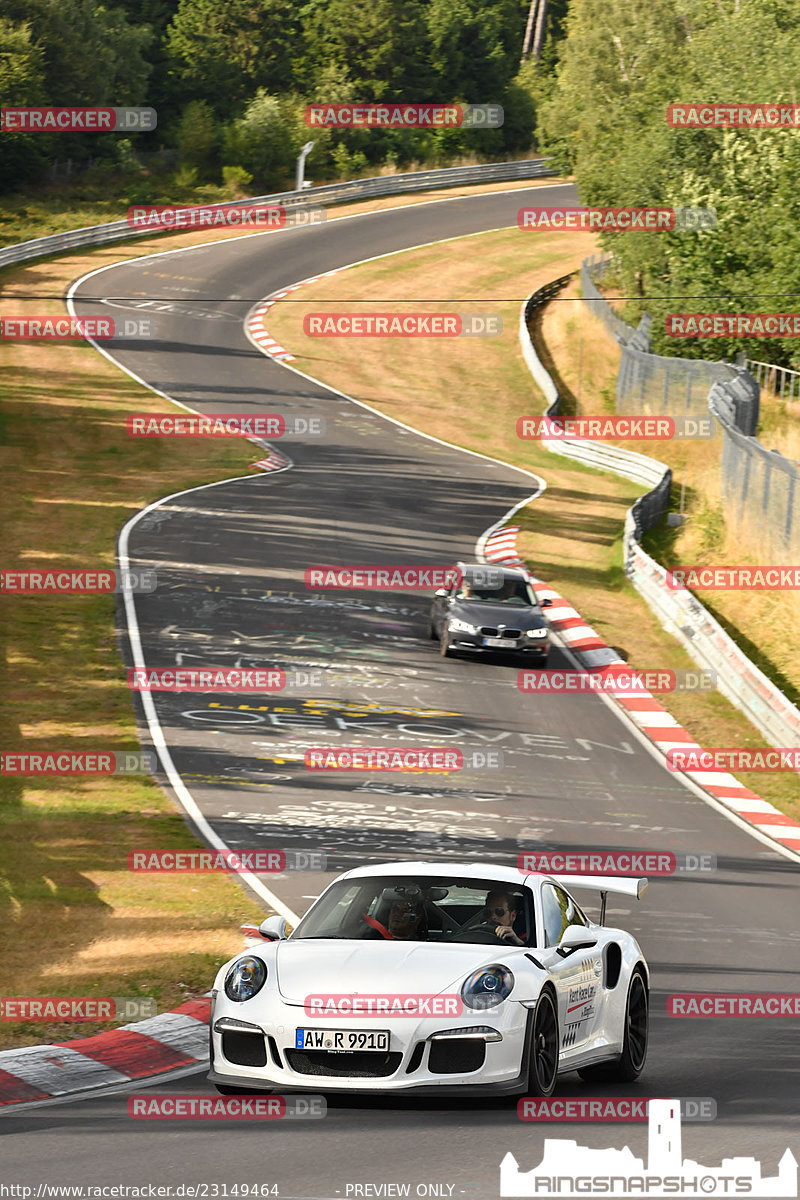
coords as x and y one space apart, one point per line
678 610
638 467
335 193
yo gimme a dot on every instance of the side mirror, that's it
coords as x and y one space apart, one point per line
576 937
546 603
273 929
440 593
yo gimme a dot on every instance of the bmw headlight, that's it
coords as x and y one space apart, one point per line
536 633
488 987
456 626
245 978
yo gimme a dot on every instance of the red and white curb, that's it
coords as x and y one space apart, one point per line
275 461
152 1047
255 322
643 709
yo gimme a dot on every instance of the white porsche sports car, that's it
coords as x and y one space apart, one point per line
421 977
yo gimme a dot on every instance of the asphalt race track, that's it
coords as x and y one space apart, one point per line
230 560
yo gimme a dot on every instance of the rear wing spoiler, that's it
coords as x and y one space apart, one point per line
605 884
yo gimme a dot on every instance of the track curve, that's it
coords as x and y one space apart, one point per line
230 560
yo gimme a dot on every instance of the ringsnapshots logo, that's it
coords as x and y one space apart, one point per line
259 861
619 681
683 219
610 428
158 1107
224 679
568 1169
78 762
399 578
213 216
609 1108
77 1008
745 578
77 120
223 425
739 325
616 862
700 115
404 116
402 325
78 583
400 758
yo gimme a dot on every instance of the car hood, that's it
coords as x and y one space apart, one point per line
497 614
311 966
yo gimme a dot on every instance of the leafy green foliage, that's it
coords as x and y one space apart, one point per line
623 62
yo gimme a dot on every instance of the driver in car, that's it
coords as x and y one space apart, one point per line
502 916
406 919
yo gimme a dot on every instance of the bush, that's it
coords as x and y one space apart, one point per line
262 141
236 181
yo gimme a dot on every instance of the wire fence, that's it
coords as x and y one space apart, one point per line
760 488
651 384
781 381
678 610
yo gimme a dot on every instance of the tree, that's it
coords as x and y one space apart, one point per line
383 45
21 83
475 46
224 52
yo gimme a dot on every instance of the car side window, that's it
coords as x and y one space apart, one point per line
552 916
559 911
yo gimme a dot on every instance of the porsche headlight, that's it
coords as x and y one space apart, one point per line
456 626
245 978
488 987
536 633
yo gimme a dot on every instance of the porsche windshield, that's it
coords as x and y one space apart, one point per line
422 909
